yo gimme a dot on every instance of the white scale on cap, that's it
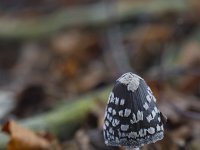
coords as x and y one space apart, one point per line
131 80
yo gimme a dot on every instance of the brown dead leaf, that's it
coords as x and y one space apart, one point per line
74 51
147 34
190 55
68 67
24 139
92 78
188 84
148 43
189 59
72 42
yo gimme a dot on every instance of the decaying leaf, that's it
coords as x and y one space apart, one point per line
190 56
25 139
190 59
148 42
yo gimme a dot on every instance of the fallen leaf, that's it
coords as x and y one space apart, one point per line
190 55
148 45
24 139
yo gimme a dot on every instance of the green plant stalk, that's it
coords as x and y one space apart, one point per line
92 15
64 119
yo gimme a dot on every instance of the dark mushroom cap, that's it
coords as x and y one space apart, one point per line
132 118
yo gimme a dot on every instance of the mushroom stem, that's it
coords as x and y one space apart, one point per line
130 148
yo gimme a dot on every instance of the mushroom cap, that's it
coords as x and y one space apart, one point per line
132 118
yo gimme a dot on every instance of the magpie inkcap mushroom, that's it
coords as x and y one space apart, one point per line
132 118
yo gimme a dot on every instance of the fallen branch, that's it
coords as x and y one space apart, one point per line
65 118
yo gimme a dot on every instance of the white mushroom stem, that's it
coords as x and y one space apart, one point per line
130 148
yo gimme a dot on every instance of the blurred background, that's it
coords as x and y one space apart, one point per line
59 60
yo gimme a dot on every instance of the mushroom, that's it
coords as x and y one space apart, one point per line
132 118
